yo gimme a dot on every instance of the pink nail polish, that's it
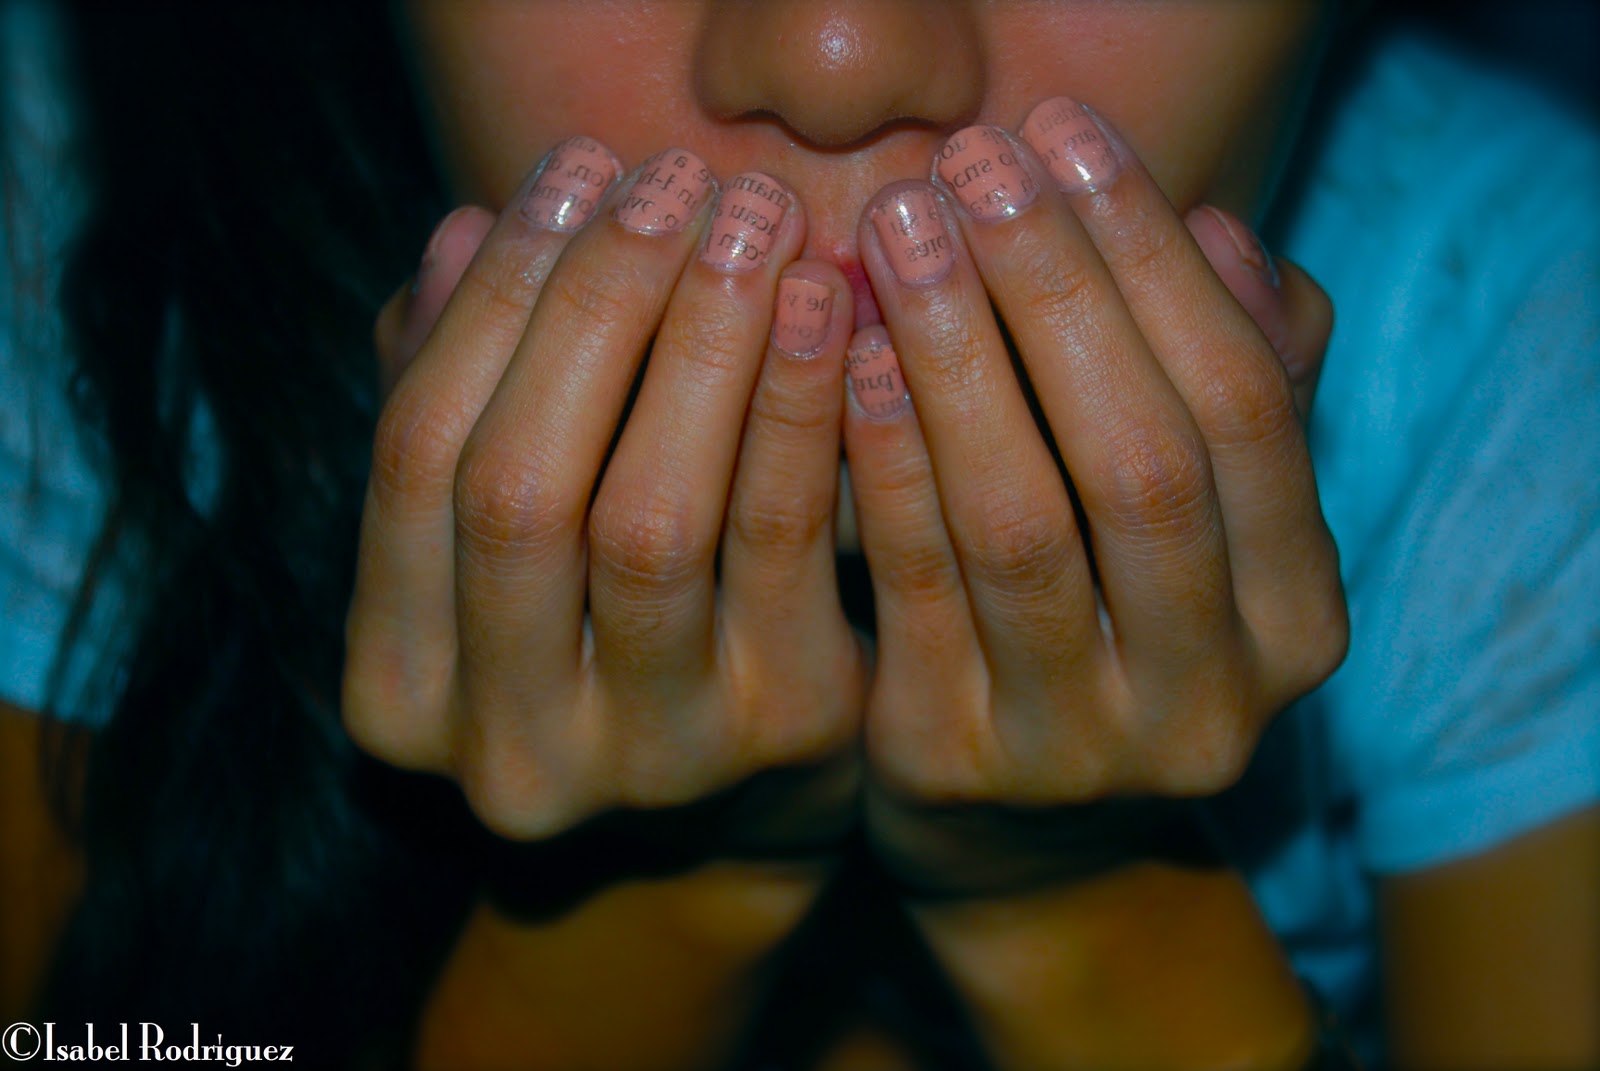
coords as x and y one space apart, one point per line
800 324
666 193
1076 148
915 238
873 370
745 223
985 174
570 184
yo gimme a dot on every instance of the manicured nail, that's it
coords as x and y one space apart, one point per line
669 189
570 184
1252 254
800 324
915 239
984 173
873 370
1075 146
745 223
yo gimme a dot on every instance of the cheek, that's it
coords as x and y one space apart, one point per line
503 82
1205 92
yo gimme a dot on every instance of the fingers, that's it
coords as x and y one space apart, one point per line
1230 379
404 322
1291 311
529 470
778 582
402 625
1009 517
659 515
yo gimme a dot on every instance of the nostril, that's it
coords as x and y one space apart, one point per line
836 138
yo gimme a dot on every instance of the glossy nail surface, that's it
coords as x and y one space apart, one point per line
746 222
915 238
666 192
985 174
1076 149
873 369
800 322
570 185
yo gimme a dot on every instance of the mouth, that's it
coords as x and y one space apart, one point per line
866 306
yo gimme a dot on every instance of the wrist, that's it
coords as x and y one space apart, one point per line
1150 965
658 972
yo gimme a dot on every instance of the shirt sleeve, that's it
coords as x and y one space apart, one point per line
1478 714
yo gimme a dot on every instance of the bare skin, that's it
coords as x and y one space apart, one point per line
500 575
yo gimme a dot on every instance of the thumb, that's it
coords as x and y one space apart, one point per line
407 318
1292 311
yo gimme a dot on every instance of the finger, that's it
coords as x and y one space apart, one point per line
1231 380
929 659
1134 456
528 471
402 625
659 515
405 320
1010 518
781 611
1291 311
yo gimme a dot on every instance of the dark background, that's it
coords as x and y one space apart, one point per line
1553 42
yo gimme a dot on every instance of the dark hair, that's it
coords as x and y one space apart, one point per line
259 180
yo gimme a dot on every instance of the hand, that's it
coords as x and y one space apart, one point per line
572 613
1111 610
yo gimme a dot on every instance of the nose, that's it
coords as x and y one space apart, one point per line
835 72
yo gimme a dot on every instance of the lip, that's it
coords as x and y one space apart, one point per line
866 306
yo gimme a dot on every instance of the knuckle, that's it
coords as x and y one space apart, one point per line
795 416
646 540
513 797
1062 289
388 712
1326 638
947 366
780 526
1019 546
708 343
1155 478
505 503
1248 406
610 293
499 282
930 781
920 572
414 451
1145 245
1210 751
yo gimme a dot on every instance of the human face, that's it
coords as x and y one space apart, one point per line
839 97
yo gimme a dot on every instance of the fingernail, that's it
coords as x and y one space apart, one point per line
984 173
800 324
669 189
912 231
873 369
1075 146
570 184
745 223
430 256
1252 254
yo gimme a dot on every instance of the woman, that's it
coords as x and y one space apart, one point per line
582 591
